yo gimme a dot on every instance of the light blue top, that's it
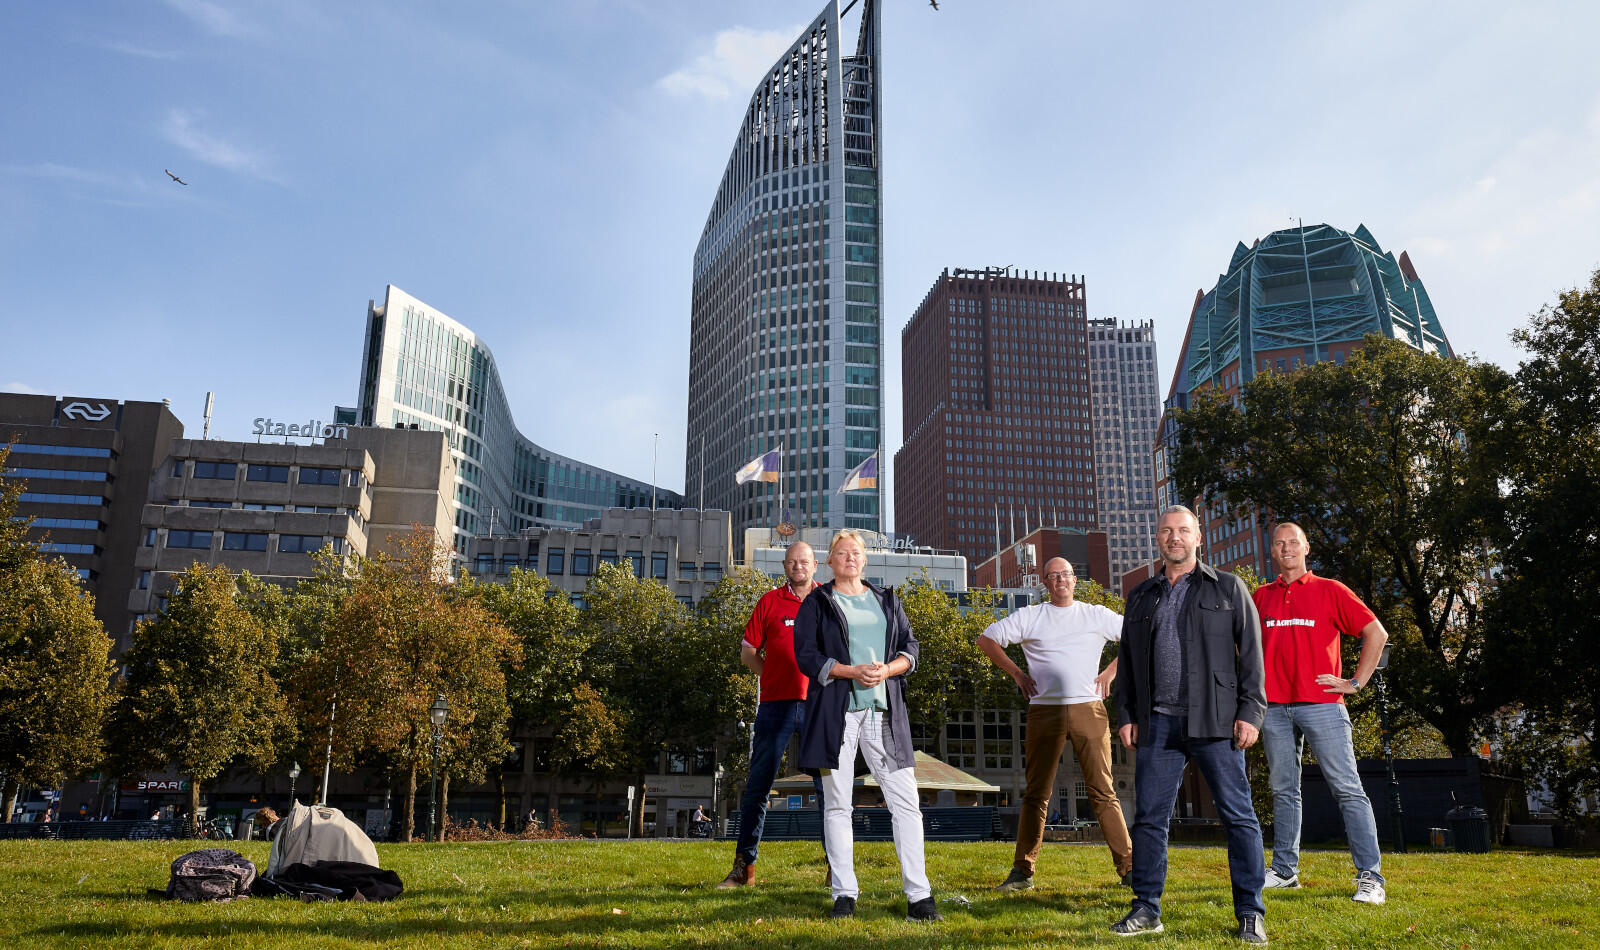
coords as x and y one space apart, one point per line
869 643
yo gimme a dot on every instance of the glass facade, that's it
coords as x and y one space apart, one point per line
423 370
786 348
1295 297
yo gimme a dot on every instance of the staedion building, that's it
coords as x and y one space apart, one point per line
267 507
85 463
785 345
1127 407
996 404
1295 297
422 370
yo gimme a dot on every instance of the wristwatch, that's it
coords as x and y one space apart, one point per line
1355 683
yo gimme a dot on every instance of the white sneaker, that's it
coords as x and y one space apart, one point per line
1369 891
1274 880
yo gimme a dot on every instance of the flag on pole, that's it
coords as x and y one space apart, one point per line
864 475
762 468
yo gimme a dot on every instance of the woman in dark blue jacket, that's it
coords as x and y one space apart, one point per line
854 642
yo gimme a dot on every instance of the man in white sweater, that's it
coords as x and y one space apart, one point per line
1062 641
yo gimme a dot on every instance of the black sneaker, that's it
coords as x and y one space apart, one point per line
923 911
1017 880
843 907
1140 920
1252 929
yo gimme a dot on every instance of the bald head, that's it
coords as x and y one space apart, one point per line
799 566
1290 550
1059 581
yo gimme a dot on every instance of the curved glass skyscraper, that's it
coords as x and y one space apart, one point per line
786 348
420 369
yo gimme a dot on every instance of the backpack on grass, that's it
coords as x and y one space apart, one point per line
211 874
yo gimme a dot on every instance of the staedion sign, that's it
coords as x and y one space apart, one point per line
315 429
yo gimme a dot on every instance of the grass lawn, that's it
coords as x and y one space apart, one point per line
660 894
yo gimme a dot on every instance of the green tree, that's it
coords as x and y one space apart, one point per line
667 678
55 671
952 673
721 616
542 683
1390 463
1541 613
199 692
380 653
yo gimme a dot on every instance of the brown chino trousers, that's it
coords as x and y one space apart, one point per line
1089 728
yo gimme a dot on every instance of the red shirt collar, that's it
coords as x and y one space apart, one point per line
1303 578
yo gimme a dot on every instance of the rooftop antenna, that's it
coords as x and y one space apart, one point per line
211 400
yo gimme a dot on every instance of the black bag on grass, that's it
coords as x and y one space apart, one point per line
332 880
211 874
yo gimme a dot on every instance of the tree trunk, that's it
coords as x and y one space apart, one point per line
408 807
8 791
194 808
636 813
500 795
444 803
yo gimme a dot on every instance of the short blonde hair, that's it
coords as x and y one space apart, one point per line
847 534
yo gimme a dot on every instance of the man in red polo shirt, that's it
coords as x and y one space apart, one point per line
1302 618
768 648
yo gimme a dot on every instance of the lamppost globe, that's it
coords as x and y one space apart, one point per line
294 774
439 711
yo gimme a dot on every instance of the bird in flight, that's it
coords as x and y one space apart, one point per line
934 4
176 178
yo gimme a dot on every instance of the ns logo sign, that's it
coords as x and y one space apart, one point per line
89 412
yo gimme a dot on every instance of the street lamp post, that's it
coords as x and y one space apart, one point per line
1398 826
437 714
294 774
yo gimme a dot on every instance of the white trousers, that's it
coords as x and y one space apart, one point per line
864 728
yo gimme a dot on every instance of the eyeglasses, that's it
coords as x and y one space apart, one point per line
1059 576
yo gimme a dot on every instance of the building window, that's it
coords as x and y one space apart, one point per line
485 564
319 476
199 540
267 473
582 563
637 558
686 570
608 557
711 572
299 543
997 739
177 469
658 566
961 739
555 562
223 470
511 562
149 537
244 541
257 506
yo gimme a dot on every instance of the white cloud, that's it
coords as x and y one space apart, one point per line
736 61
181 129
133 49
213 17
17 387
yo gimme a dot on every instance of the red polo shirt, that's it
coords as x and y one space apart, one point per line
771 627
1300 626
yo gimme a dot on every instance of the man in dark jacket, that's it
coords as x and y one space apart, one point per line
1191 687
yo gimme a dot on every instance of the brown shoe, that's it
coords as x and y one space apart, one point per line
742 874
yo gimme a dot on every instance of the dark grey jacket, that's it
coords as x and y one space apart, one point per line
821 639
1222 647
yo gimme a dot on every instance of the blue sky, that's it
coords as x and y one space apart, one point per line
541 172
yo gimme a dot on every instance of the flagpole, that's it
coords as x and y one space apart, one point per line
780 480
702 473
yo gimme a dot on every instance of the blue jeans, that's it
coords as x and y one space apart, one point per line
1327 727
1163 752
775 722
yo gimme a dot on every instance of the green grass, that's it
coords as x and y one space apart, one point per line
569 893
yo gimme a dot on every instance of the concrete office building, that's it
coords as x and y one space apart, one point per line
890 561
420 369
267 508
1127 407
687 550
1293 298
996 411
85 463
785 345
